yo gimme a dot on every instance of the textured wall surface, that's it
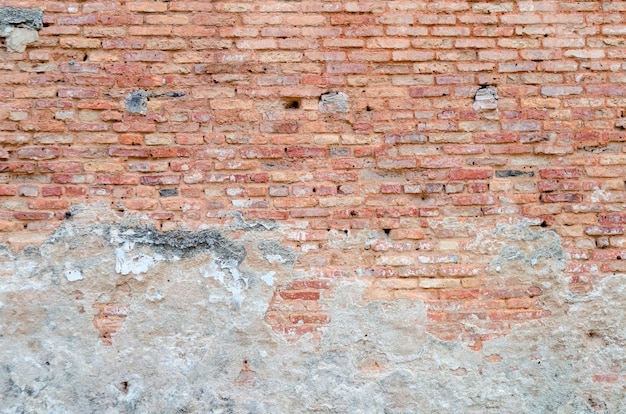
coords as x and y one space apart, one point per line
312 206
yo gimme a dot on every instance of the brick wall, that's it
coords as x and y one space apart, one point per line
382 137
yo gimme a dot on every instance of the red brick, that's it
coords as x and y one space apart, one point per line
38 153
159 179
472 199
8 190
561 198
300 152
129 152
61 166
33 215
17 167
559 173
396 163
470 173
299 295
429 91
170 152
49 204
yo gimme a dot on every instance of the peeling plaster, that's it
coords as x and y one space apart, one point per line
175 349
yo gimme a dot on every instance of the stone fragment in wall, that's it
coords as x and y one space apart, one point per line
486 98
333 102
19 27
137 102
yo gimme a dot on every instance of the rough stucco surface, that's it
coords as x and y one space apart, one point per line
193 337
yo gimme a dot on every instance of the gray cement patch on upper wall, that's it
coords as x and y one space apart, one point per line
19 26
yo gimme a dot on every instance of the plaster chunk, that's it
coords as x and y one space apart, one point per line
72 274
334 102
19 26
19 38
486 98
137 102
16 16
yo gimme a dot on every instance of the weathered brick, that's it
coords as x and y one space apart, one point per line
390 186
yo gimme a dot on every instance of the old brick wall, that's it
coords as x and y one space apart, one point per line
463 157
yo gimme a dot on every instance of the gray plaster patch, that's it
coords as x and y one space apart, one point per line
137 102
334 102
486 98
19 26
274 252
183 349
182 243
240 223
21 17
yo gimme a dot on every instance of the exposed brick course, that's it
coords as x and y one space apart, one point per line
234 122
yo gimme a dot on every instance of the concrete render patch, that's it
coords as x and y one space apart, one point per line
21 17
334 102
19 38
19 26
137 102
486 98
184 346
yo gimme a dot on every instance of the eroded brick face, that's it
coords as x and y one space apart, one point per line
362 128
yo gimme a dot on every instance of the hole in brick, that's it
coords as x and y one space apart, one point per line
544 224
387 231
124 387
292 103
368 108
68 214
